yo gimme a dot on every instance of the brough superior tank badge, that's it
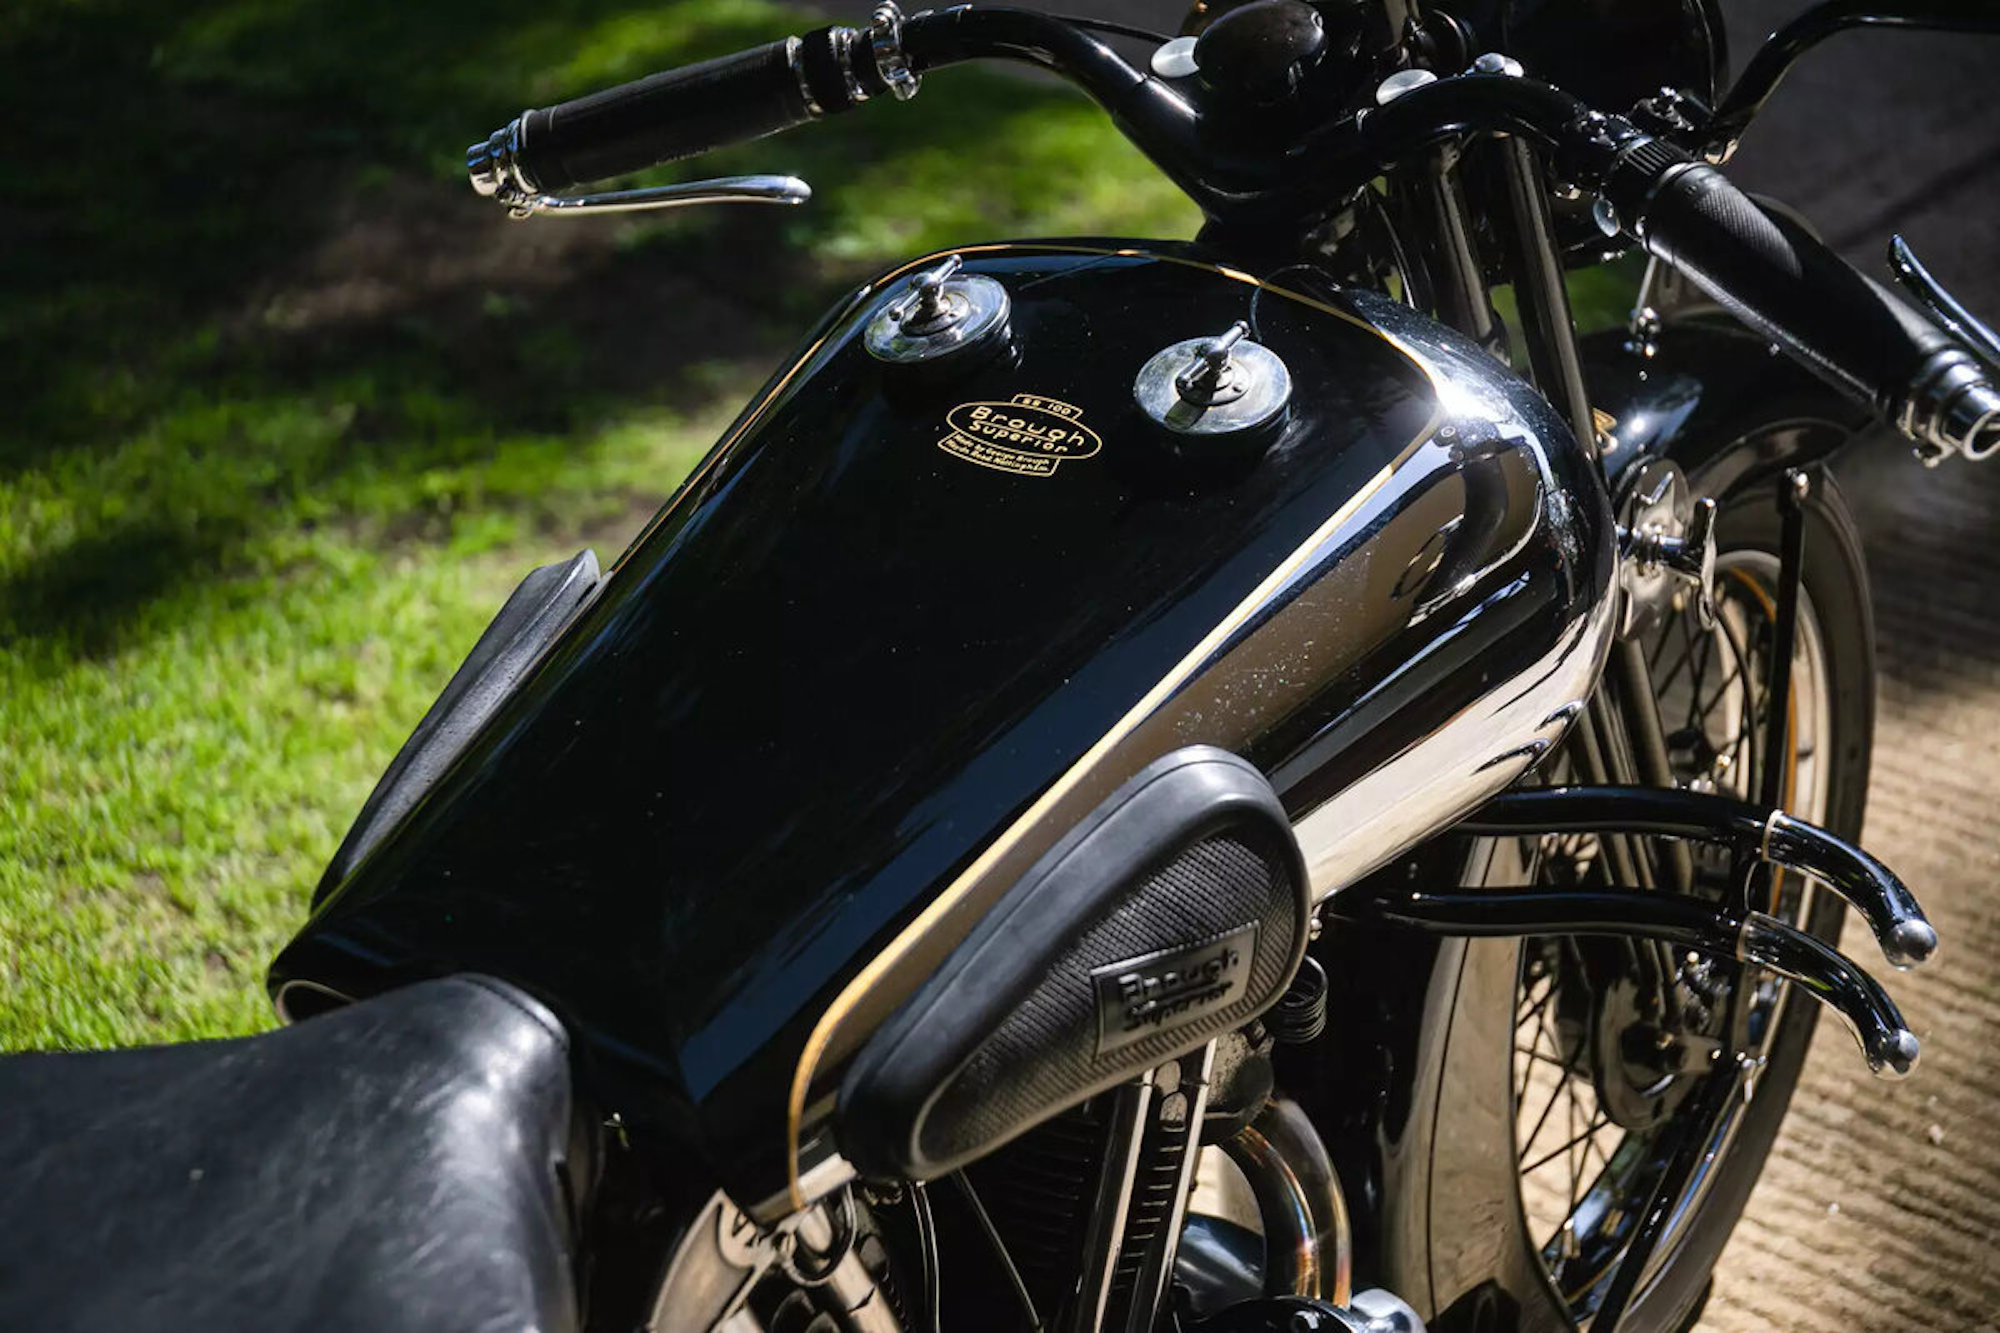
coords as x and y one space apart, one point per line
1030 435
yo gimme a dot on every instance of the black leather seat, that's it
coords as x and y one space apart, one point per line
394 1165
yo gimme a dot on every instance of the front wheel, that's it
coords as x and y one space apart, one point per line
1560 1077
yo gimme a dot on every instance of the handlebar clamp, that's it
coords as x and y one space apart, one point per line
885 40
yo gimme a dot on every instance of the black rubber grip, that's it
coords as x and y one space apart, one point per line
1777 277
664 117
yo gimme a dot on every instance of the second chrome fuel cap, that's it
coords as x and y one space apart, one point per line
1220 386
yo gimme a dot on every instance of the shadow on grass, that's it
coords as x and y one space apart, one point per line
86 595
243 288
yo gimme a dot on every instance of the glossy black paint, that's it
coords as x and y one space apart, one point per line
838 663
1717 400
844 659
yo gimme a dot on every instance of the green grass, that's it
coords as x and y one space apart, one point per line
281 429
287 413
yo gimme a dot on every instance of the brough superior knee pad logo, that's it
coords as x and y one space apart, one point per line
1029 435
1160 990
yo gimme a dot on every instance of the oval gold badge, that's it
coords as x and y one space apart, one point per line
1028 435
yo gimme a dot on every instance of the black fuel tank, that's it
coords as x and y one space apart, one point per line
854 678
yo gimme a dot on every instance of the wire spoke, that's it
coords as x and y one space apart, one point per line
1569 1151
1543 1118
1663 683
1548 993
1702 711
1660 648
1543 1056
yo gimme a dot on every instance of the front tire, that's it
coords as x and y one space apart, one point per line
1481 1262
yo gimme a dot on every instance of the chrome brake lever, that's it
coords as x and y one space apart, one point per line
786 190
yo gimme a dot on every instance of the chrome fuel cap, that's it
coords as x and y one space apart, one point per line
939 312
1216 386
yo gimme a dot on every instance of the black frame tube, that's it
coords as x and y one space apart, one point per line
1542 289
1631 681
1793 486
1432 195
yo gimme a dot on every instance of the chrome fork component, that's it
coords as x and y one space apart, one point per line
1667 544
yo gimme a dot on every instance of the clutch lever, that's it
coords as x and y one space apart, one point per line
1948 310
786 190
495 179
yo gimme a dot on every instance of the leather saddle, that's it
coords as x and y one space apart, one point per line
399 1164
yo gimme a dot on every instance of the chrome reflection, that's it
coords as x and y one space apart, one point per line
1465 761
1534 548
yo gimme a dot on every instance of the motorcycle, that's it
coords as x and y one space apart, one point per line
1141 785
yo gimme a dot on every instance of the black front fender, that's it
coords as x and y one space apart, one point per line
1723 403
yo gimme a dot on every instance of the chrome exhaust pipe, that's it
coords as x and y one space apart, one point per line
1308 1243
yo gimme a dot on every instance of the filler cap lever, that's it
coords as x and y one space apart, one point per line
1217 386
